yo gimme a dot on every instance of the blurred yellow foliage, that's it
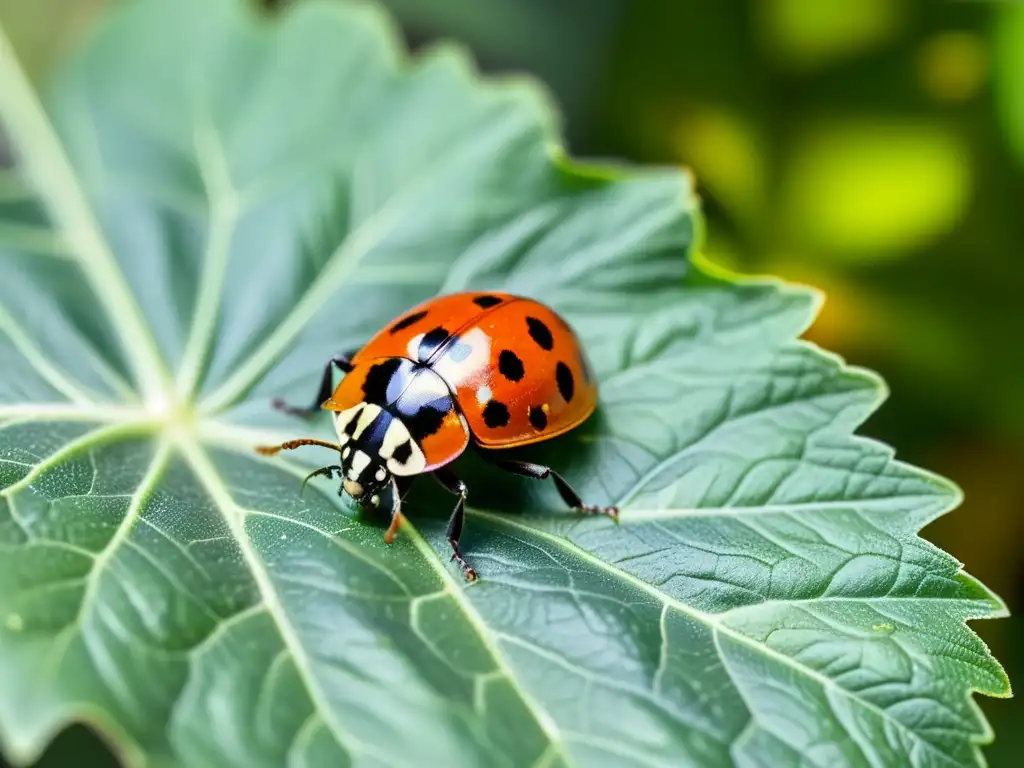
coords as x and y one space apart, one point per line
809 33
871 190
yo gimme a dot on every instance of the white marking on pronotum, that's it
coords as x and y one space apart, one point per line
381 474
339 426
360 461
396 434
365 412
366 419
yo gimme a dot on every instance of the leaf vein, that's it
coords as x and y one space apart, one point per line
233 515
714 623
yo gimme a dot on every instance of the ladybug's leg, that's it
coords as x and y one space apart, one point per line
540 472
343 363
451 483
399 487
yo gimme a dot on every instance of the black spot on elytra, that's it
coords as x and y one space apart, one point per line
430 342
405 322
424 422
510 366
486 301
402 452
566 383
540 333
538 418
375 388
495 414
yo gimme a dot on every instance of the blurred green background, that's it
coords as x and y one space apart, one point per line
871 148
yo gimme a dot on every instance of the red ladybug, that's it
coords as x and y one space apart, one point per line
487 370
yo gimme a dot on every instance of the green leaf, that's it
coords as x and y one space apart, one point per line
220 202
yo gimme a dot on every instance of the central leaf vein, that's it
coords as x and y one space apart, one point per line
233 515
225 210
48 166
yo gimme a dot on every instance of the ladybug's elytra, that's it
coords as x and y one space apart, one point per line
482 370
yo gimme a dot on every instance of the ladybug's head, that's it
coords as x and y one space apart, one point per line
375 447
364 474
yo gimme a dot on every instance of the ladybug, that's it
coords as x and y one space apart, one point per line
487 371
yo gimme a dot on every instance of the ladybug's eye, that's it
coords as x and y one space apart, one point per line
381 474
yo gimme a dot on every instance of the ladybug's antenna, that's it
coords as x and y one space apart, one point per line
290 445
328 471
